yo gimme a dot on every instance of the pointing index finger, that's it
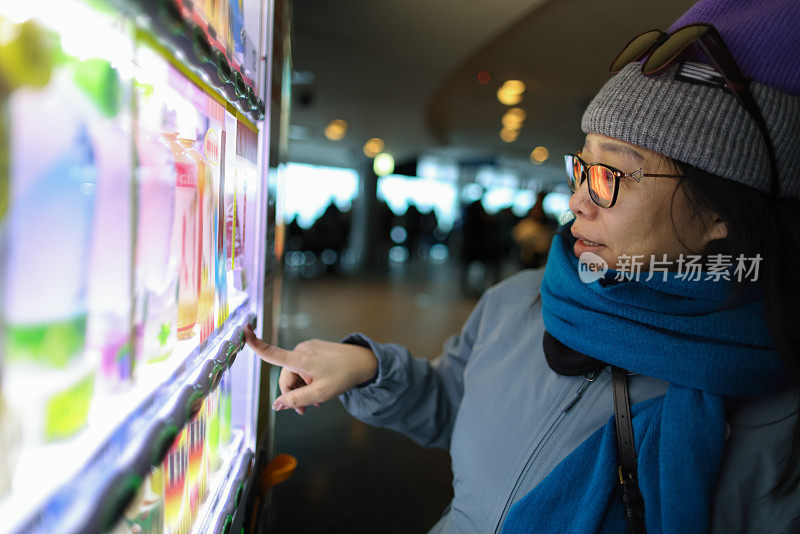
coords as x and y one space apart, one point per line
269 353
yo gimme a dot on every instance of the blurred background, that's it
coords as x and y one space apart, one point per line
423 163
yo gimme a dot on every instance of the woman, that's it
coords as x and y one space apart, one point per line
677 169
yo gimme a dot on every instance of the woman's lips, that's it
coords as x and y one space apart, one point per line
585 245
587 241
579 248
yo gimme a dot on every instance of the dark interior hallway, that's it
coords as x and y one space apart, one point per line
352 477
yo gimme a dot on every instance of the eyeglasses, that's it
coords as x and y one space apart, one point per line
661 50
603 179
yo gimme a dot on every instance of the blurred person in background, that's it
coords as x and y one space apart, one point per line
477 230
533 235
585 398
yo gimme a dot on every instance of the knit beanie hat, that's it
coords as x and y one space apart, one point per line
685 114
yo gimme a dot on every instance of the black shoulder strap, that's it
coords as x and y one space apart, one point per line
631 496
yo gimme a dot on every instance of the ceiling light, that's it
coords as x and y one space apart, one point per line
373 147
511 123
508 98
510 93
514 87
539 155
517 113
509 136
336 130
513 118
383 164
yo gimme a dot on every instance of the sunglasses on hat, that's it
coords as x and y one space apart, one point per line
660 49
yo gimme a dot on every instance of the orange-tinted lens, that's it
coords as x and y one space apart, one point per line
601 185
573 167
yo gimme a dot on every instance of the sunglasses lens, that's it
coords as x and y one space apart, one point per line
601 185
635 49
677 43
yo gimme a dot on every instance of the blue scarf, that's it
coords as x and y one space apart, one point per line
674 330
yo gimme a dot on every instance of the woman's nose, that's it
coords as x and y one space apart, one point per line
580 203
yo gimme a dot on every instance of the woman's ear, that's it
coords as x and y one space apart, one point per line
716 230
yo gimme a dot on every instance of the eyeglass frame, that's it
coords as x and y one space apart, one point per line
618 175
713 46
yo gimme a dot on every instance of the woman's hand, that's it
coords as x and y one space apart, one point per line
316 370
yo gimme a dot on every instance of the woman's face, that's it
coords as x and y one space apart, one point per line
639 223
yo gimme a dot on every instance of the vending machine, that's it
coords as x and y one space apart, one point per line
133 241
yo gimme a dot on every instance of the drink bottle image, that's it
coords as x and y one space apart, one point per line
204 457
212 430
174 471
233 234
145 514
205 217
156 265
237 32
193 466
239 195
212 13
223 23
157 246
244 246
196 475
13 54
52 185
236 203
225 410
186 235
110 297
227 153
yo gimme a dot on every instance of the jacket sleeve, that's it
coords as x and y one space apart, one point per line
415 396
760 434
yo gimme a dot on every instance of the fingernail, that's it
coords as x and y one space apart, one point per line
278 406
298 411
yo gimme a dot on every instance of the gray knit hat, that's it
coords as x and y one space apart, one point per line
684 113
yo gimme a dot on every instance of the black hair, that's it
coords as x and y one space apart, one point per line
759 224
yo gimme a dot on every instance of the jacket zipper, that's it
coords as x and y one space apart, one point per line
590 377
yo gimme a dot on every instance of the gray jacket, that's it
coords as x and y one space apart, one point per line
508 419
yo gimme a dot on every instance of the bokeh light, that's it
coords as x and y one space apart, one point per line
373 147
509 136
336 130
510 93
539 155
508 99
513 118
383 164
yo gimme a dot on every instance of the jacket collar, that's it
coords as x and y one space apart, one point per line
566 361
